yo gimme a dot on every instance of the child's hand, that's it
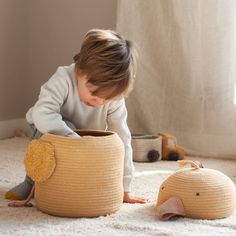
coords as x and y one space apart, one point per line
128 198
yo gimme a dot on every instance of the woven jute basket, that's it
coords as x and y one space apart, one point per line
77 177
205 193
143 145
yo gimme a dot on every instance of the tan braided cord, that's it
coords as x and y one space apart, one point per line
205 193
88 178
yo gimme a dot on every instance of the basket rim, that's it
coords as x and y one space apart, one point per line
103 134
145 136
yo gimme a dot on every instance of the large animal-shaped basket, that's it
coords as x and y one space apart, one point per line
77 177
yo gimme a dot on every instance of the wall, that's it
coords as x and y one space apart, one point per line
13 58
38 36
56 29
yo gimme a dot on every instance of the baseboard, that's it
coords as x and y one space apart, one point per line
9 128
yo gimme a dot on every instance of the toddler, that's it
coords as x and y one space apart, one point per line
88 94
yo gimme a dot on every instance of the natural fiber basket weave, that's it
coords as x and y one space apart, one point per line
144 145
203 193
88 178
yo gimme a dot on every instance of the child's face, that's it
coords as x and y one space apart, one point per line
85 90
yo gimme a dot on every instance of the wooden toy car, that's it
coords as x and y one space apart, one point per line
170 150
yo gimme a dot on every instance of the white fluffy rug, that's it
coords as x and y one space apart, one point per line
132 219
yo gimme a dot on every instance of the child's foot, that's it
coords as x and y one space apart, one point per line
21 191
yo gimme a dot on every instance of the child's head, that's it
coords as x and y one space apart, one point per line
105 66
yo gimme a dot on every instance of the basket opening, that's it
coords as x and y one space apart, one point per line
96 133
144 136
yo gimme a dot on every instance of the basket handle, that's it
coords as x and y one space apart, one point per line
194 164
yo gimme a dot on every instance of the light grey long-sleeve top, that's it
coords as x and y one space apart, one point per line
59 100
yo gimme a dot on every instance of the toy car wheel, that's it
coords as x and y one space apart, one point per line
173 156
153 155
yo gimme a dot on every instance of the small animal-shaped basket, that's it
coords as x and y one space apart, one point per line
146 148
196 192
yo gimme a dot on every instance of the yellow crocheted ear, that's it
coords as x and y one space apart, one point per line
40 160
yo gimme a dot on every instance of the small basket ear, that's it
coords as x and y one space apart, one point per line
40 160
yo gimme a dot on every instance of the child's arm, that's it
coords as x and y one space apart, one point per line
117 121
45 114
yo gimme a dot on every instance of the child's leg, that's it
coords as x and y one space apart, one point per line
21 191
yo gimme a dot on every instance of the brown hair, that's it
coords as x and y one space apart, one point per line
109 62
